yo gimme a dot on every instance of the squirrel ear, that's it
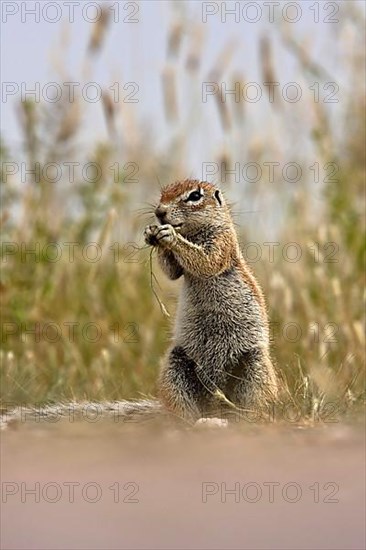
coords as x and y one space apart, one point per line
218 197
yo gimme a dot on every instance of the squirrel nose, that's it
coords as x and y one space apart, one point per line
160 213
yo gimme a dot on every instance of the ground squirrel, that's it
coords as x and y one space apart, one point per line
220 351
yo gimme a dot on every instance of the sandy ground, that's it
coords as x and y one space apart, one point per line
116 485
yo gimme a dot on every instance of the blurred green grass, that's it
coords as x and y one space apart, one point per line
114 299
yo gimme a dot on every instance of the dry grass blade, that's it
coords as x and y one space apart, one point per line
170 93
99 29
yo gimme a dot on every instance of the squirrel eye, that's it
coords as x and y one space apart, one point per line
194 196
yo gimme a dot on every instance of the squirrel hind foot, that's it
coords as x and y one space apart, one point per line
211 423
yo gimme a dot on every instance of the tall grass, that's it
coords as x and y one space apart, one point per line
52 311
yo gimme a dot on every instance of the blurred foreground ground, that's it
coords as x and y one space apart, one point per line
154 486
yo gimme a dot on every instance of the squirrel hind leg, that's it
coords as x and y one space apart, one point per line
181 392
252 382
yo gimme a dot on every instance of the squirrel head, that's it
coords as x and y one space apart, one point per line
191 205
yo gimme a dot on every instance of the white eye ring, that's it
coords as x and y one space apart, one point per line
194 196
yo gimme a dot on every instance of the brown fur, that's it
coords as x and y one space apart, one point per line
221 340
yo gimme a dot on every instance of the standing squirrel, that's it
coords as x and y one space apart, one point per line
220 351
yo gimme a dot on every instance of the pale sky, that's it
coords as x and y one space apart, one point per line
136 52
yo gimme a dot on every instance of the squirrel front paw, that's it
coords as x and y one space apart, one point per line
160 235
150 235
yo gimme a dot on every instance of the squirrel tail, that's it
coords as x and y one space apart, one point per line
89 411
